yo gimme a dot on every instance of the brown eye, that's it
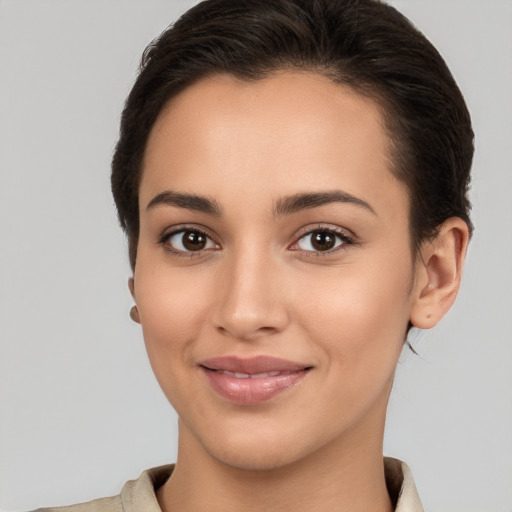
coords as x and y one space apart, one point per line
190 240
321 240
194 241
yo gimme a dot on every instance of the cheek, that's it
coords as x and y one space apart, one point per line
172 312
360 319
172 306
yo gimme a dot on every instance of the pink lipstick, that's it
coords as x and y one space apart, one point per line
253 380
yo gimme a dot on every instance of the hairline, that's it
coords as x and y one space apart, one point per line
365 89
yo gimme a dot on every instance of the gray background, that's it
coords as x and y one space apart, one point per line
80 412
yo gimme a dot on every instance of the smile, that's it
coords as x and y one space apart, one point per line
252 381
241 375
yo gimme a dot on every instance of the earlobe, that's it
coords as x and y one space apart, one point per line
439 273
134 312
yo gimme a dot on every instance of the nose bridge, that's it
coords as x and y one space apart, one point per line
250 299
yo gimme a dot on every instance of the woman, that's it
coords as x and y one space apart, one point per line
292 179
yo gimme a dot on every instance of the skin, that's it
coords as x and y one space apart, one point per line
260 288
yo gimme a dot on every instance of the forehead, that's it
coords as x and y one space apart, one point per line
296 130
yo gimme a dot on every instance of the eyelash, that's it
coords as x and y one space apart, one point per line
164 239
342 240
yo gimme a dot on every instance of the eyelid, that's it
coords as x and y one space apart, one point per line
346 236
182 228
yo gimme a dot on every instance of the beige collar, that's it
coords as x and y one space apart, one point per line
401 486
139 495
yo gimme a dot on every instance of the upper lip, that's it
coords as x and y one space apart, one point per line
252 365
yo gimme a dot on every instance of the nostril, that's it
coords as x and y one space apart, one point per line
268 330
246 332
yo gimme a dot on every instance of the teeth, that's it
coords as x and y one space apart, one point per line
240 375
237 375
265 374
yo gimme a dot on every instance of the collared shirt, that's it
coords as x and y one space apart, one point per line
140 496
401 486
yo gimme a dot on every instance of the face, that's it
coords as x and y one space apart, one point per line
274 275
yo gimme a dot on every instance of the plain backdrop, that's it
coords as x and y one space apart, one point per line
80 412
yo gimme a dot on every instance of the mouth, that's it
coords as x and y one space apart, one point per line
254 380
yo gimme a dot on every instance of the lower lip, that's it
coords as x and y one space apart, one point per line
250 391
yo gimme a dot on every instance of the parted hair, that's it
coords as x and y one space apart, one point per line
364 44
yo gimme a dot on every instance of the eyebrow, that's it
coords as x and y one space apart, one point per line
188 201
284 206
300 202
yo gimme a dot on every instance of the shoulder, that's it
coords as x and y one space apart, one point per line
111 504
136 495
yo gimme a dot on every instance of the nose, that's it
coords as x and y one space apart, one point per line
251 297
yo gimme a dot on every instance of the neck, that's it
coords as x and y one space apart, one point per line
345 475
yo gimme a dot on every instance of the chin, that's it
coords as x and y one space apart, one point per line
258 449
251 459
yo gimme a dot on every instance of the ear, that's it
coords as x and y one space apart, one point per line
438 273
134 312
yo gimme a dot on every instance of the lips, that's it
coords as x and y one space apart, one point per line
253 380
